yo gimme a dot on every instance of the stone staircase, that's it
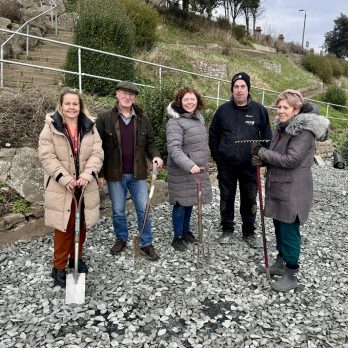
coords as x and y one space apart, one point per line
45 54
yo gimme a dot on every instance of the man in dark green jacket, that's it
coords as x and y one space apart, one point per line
128 139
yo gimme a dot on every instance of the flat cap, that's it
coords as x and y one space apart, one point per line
127 86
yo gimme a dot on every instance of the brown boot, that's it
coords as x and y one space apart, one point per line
149 252
118 246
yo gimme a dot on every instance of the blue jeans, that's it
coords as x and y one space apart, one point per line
139 194
181 219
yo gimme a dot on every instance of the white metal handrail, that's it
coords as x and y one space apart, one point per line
159 66
27 25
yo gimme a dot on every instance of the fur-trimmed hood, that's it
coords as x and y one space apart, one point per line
318 125
174 114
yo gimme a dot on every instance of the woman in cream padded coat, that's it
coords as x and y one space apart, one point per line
71 154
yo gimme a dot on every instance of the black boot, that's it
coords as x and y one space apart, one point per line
59 277
178 244
81 265
287 282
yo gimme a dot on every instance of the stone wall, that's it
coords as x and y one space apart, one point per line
210 69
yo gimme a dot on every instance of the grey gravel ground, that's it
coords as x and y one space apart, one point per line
173 303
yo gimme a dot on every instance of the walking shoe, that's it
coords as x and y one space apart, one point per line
59 277
225 237
178 244
188 237
287 282
277 268
81 265
118 246
251 240
149 252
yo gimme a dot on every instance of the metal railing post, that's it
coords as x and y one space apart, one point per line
52 18
263 97
160 77
56 29
79 65
218 95
27 43
2 67
327 110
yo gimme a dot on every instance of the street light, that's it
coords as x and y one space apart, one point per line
304 25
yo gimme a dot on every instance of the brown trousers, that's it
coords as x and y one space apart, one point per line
64 243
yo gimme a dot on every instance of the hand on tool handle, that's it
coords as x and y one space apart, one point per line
70 186
195 169
101 183
256 161
255 147
158 162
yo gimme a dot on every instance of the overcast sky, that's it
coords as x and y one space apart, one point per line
283 17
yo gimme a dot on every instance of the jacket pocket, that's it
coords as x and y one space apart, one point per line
141 139
280 188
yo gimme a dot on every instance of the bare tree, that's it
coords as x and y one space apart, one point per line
234 9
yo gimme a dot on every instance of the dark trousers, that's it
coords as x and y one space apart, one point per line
64 244
245 176
288 241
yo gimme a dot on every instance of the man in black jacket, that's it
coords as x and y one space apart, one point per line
239 119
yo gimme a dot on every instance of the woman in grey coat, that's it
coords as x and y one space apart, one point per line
289 183
187 144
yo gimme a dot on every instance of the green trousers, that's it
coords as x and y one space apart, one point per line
288 241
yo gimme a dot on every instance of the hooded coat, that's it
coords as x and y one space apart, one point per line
187 144
56 156
289 183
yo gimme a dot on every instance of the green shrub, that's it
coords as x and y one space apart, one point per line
335 95
239 31
319 65
101 25
337 66
11 10
154 102
345 67
145 18
71 5
2 198
21 206
223 23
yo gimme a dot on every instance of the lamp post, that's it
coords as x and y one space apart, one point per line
304 25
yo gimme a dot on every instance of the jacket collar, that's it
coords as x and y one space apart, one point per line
318 125
137 109
175 112
85 124
249 100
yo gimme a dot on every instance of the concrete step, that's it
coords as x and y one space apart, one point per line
51 47
38 59
13 68
66 37
47 54
36 62
42 78
37 85
30 72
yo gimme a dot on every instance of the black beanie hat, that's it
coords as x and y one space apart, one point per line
241 76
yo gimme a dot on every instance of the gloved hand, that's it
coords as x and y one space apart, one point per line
256 161
255 147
